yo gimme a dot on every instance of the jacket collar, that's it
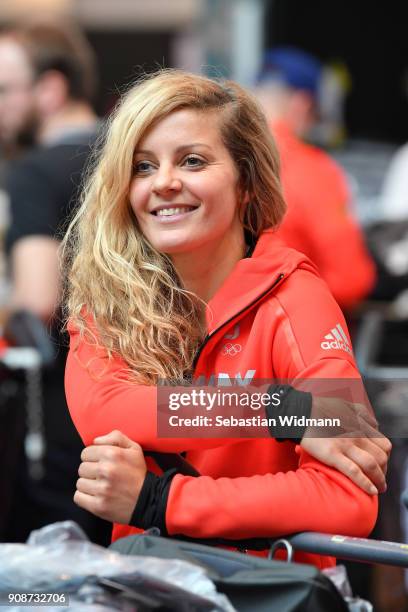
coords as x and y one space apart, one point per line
252 277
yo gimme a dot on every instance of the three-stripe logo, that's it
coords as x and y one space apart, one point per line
336 339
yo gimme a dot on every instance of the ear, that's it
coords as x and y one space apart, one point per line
242 186
243 193
51 91
243 196
243 202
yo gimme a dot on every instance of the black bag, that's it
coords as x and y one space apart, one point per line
251 583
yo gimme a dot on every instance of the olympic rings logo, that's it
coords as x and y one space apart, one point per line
231 349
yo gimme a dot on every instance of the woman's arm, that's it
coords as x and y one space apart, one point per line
314 497
100 400
100 404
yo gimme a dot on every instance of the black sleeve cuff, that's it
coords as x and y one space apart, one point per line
150 509
292 403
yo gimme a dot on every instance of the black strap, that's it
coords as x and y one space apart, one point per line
167 461
292 403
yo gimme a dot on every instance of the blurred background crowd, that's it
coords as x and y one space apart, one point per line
333 81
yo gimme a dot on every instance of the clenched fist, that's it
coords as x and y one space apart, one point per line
111 476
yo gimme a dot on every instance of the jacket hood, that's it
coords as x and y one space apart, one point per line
271 262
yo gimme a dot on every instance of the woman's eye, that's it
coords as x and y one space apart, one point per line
143 167
192 161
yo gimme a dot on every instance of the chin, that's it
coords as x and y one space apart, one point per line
175 247
179 248
181 244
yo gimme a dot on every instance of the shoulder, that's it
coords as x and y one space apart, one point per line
52 162
305 291
30 185
312 178
41 186
313 157
324 162
310 324
28 166
34 172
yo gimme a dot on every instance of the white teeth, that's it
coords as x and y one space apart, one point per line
168 212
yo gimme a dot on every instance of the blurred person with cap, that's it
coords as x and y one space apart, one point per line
47 83
319 221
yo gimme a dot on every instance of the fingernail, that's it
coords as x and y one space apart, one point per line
373 490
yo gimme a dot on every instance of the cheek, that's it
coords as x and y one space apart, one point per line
137 196
221 194
231 199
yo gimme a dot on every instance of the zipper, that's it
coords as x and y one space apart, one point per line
176 460
247 307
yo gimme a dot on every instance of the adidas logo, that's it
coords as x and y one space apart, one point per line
336 339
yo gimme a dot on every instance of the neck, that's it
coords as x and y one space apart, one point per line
204 272
72 116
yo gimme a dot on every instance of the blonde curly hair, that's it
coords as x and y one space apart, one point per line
113 274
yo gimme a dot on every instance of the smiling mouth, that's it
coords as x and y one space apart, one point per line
172 211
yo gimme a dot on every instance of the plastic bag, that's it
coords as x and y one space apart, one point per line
338 575
59 558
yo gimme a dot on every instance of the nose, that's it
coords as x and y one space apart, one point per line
166 180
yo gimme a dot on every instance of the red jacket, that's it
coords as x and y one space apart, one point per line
251 487
319 221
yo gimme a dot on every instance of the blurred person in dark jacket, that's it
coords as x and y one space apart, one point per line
319 221
47 83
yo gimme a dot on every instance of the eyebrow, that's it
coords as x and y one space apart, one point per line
180 148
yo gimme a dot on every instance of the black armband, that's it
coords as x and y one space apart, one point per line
150 509
292 403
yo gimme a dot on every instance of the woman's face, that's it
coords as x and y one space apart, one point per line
184 191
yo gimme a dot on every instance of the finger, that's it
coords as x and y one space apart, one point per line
383 442
378 448
85 501
88 469
110 455
115 438
365 430
91 503
88 486
351 469
92 453
369 465
375 457
368 422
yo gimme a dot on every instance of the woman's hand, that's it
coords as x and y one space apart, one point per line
112 473
363 460
360 451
